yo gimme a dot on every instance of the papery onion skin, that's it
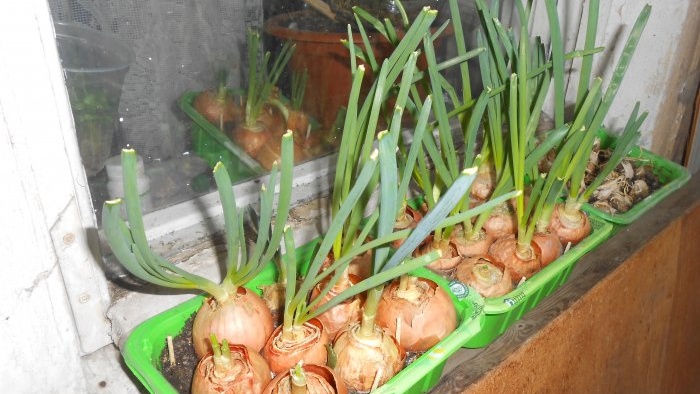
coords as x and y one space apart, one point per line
409 219
550 246
482 187
361 266
272 120
217 109
347 312
450 257
250 376
427 316
251 138
471 247
501 224
359 359
298 121
505 251
312 350
465 274
569 229
319 380
243 318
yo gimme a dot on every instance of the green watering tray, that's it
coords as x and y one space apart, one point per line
144 345
501 312
671 175
213 145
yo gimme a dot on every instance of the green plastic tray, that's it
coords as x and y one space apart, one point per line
501 312
672 176
144 345
213 146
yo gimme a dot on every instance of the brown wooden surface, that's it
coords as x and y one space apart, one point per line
626 322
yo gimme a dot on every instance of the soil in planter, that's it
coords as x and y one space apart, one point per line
180 375
631 181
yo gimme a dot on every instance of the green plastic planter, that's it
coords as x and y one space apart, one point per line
213 145
501 312
671 175
144 345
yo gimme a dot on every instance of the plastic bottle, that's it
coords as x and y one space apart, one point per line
115 182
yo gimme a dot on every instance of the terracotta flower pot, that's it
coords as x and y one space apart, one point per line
326 60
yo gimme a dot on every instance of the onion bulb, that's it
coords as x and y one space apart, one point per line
347 312
251 138
409 219
298 122
521 261
550 246
485 274
471 246
501 223
306 342
422 313
483 183
315 379
569 226
362 361
450 257
243 318
217 107
231 369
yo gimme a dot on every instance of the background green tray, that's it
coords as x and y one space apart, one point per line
144 345
213 145
501 312
672 176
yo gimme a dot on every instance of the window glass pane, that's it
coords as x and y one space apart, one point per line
136 72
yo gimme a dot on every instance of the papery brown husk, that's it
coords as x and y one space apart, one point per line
282 355
450 257
471 247
482 187
572 230
343 314
408 220
273 120
550 246
504 250
251 138
217 110
243 318
426 311
359 359
249 375
501 223
361 266
298 121
465 274
319 380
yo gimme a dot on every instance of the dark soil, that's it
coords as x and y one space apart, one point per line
180 374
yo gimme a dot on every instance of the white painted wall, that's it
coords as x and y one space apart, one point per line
49 275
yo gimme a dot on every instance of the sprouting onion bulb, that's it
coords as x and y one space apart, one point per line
230 368
229 301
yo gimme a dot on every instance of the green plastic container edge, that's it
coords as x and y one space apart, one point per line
671 174
143 346
502 312
185 104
